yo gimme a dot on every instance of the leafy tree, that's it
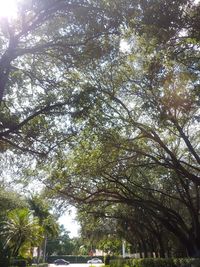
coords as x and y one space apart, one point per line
61 245
41 209
10 200
47 221
137 115
172 179
106 227
40 50
98 230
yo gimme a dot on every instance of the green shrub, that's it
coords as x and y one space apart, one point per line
120 263
156 262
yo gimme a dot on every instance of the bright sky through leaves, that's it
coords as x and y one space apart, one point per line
8 8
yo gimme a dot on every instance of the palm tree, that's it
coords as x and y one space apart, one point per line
9 200
21 232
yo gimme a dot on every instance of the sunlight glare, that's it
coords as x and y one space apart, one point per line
8 8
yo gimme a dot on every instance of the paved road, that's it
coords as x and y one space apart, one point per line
77 265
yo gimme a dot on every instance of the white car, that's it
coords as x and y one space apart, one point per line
95 260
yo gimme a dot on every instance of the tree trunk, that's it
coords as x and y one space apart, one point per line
161 246
38 254
144 248
44 249
140 250
152 248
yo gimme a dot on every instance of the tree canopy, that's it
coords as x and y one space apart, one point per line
40 51
138 120
106 94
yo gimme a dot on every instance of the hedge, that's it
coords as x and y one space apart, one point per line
156 262
39 265
24 264
18 263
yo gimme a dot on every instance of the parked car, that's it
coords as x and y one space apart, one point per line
95 260
61 262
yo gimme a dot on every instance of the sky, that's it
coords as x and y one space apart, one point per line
70 223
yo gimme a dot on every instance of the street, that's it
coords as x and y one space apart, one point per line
77 265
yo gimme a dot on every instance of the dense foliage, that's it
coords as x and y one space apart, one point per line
136 157
9 200
62 244
105 94
40 50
